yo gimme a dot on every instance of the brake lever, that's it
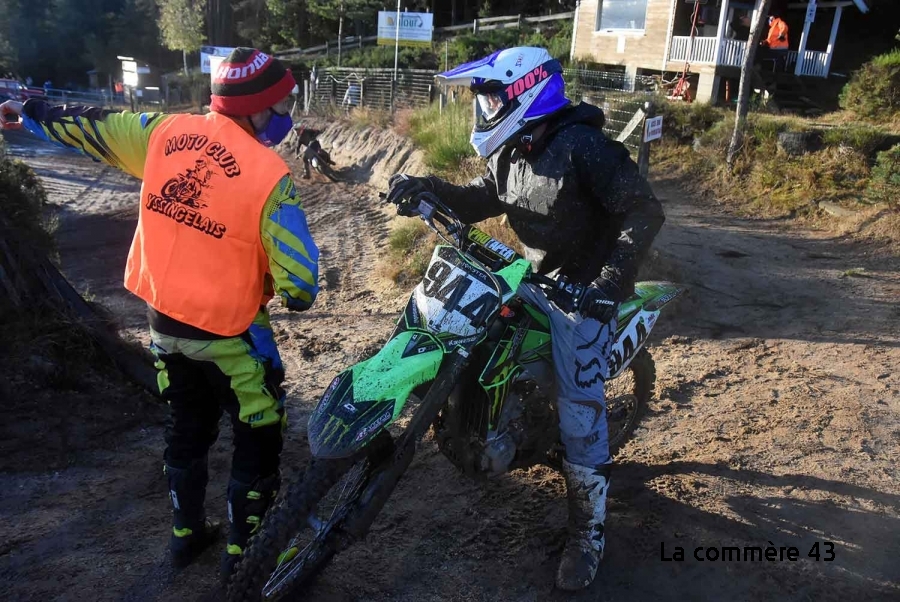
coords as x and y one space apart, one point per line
426 212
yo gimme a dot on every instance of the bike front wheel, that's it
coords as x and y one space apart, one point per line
302 533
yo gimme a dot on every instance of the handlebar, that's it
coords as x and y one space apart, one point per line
567 295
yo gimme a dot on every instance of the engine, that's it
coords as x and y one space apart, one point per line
526 430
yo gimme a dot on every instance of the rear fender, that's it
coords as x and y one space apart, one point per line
368 396
637 317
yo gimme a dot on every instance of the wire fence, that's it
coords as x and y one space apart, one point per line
374 88
621 97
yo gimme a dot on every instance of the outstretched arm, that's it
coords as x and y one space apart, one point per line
293 256
117 139
473 202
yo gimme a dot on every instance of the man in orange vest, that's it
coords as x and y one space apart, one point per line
220 232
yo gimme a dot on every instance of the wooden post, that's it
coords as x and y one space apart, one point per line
644 149
798 68
475 26
720 32
831 40
306 97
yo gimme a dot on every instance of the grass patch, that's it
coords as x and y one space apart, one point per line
368 117
410 245
765 180
443 136
861 138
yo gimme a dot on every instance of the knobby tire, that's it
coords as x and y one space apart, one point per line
643 370
281 524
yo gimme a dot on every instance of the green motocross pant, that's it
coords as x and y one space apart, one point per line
241 375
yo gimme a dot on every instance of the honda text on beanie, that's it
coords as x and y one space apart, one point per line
249 81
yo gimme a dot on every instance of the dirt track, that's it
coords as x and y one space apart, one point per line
776 420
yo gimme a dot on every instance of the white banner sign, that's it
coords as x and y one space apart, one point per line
415 28
130 73
208 52
653 129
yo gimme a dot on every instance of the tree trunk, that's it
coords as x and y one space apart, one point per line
743 104
184 58
453 12
340 33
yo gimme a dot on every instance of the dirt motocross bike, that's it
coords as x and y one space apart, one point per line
475 362
322 163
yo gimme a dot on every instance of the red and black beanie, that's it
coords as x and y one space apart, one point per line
249 81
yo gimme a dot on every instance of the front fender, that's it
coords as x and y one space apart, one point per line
364 398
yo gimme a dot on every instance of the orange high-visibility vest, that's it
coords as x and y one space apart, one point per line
197 255
778 35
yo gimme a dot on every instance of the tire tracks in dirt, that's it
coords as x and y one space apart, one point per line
775 419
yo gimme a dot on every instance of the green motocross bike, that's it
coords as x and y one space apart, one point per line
474 360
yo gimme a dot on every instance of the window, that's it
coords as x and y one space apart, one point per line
622 15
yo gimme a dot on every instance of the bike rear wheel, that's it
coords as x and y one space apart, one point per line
302 533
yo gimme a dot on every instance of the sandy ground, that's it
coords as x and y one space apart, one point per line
776 422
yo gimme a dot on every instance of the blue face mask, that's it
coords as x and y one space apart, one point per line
276 129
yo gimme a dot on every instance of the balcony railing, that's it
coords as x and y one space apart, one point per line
731 54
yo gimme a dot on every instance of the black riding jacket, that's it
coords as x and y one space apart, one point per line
575 200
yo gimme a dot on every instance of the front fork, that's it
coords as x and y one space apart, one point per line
385 478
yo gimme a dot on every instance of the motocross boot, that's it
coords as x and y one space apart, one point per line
192 532
586 489
247 504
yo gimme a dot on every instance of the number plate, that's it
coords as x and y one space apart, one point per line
455 296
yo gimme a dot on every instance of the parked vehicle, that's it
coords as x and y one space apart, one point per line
14 90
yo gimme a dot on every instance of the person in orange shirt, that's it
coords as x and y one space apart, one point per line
220 232
777 39
775 46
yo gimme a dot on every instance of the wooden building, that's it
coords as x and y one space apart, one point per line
655 36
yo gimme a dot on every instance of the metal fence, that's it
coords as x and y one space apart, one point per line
374 88
622 98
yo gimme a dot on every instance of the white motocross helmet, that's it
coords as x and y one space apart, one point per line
512 88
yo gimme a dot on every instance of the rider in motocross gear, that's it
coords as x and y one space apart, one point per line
580 207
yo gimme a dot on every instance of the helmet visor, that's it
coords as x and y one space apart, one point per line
491 106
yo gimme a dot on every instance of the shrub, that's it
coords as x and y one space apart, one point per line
23 205
884 183
685 121
874 90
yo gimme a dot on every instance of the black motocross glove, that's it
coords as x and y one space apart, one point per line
402 187
600 302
